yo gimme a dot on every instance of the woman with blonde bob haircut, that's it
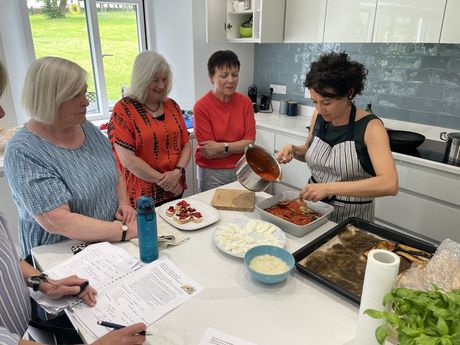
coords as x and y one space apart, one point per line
148 133
50 82
59 166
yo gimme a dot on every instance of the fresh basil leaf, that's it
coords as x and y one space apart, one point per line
455 338
393 318
381 333
426 340
442 326
375 314
446 341
410 331
406 340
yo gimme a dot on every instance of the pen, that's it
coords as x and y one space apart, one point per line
84 286
117 326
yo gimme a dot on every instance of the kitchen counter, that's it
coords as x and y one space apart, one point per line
297 311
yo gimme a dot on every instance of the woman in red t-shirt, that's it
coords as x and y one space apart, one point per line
148 133
224 123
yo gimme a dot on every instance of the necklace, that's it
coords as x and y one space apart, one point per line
153 110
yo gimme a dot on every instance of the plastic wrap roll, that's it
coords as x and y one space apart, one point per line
380 276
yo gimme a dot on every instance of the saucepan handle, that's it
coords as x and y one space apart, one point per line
248 147
443 136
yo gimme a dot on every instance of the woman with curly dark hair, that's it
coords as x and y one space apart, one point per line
347 149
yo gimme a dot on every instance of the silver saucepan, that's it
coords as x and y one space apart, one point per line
452 153
257 168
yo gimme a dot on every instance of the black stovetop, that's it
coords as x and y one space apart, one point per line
432 150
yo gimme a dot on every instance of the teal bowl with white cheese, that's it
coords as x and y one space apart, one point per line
268 270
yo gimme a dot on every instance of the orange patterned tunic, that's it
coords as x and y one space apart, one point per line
157 141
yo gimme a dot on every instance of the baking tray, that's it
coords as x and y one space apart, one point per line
296 230
416 241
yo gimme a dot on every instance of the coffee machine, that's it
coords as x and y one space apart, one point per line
266 102
252 93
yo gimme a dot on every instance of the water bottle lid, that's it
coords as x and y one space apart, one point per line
145 203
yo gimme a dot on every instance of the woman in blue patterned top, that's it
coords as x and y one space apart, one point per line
15 307
60 167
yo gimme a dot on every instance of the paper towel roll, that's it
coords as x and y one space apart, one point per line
380 276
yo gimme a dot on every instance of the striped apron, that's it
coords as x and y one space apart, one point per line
339 163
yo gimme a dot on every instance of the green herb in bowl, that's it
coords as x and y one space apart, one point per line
420 317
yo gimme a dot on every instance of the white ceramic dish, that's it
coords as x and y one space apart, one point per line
245 239
293 229
210 214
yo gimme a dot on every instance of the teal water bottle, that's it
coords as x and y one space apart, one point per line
147 229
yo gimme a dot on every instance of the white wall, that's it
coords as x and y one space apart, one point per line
203 50
6 101
172 30
14 53
179 34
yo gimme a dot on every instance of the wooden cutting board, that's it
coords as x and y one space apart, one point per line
233 200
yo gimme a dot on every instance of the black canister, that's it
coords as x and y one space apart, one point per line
292 108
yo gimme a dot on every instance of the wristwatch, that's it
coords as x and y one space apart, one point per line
181 169
225 147
124 231
35 281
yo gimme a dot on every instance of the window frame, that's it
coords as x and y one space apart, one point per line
94 41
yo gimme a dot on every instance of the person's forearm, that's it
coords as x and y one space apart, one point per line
141 169
233 147
368 188
78 227
122 191
299 152
239 146
185 156
28 270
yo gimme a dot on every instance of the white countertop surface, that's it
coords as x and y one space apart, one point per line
297 311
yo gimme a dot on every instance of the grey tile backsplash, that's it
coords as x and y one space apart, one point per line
409 82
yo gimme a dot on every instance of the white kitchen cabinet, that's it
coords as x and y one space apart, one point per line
349 20
450 27
304 21
265 139
8 208
224 19
408 21
295 173
428 202
190 171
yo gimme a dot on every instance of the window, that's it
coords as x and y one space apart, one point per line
103 37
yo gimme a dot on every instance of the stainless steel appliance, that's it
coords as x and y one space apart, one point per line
452 154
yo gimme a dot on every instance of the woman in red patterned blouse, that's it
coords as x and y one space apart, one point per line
148 133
